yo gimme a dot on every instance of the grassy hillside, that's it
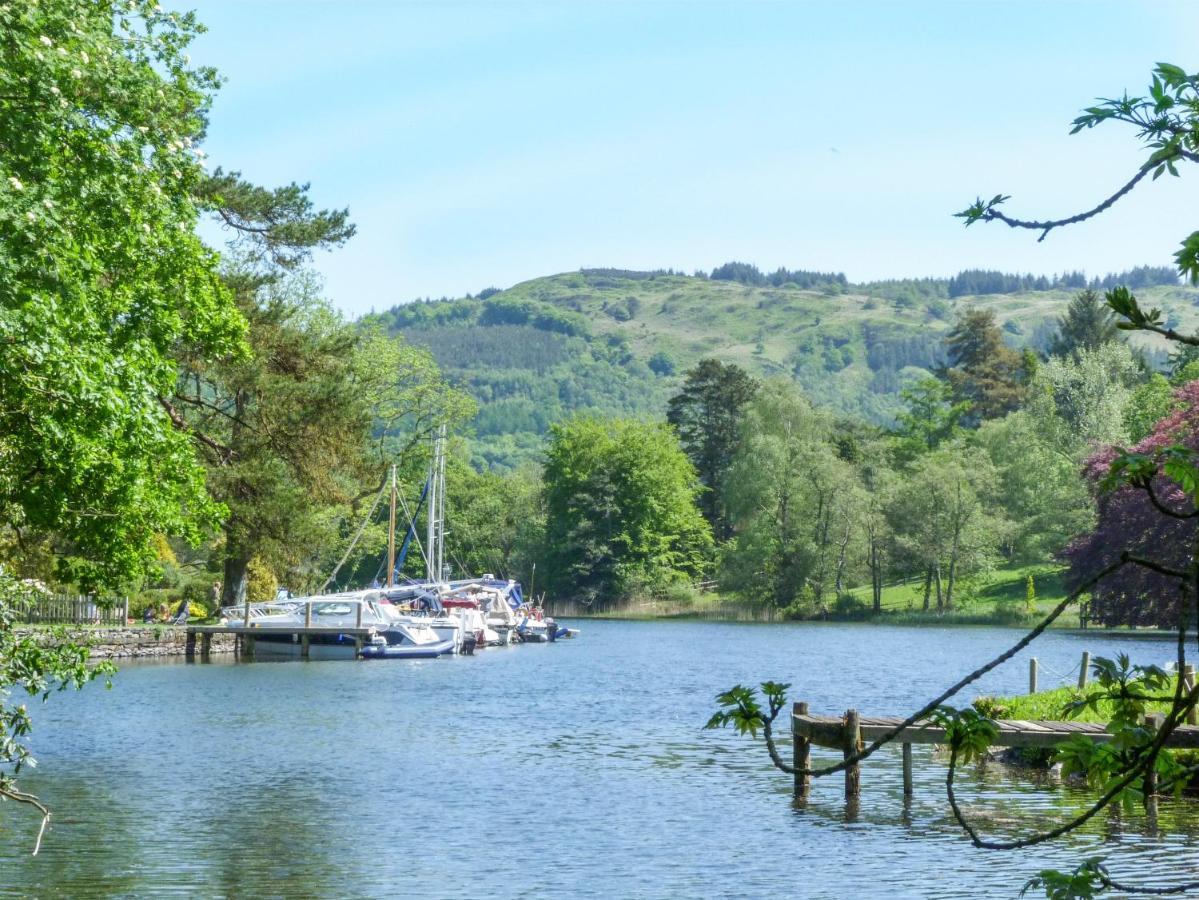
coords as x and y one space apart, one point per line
617 342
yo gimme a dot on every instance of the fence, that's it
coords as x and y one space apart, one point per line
68 609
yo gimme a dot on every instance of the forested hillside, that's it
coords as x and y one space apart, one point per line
616 342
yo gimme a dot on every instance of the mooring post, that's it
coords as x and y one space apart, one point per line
801 753
1188 682
1032 675
189 648
1153 721
1084 669
852 739
907 769
205 645
304 645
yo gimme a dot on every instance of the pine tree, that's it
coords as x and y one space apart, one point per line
1088 323
983 369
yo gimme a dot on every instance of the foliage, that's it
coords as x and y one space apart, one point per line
101 277
744 712
620 510
36 668
495 522
932 416
1087 325
1130 522
982 369
793 501
707 413
749 274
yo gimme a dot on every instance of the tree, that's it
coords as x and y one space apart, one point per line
1168 123
1038 483
1152 519
707 414
495 522
1087 325
932 416
982 369
793 501
102 277
1081 400
940 517
620 510
304 426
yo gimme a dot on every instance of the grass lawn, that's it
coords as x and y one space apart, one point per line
1050 705
999 596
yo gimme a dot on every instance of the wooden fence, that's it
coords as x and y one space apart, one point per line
76 609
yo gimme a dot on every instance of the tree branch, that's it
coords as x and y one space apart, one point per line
1046 226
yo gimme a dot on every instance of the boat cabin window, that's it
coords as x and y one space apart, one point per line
333 609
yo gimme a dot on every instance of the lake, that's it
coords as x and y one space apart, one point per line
569 769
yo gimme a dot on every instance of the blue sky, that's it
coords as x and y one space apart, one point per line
483 144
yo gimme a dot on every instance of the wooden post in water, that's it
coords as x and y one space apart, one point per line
205 645
1153 721
801 754
1084 669
1032 675
853 773
189 648
1188 682
907 769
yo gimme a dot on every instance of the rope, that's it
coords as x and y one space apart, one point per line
354 542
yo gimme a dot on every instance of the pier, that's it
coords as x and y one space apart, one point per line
852 731
246 636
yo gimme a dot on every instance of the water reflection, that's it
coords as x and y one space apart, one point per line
577 769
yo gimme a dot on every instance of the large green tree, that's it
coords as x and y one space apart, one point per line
305 425
707 414
102 278
620 510
794 501
983 370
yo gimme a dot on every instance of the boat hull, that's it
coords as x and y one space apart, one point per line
407 651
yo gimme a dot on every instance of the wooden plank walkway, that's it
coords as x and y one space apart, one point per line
851 732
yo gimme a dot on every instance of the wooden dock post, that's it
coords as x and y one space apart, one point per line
189 647
304 645
1188 682
1032 675
907 769
801 754
852 739
1153 721
1084 669
205 645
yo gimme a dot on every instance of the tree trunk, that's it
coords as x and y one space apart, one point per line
233 592
940 594
840 582
876 577
928 586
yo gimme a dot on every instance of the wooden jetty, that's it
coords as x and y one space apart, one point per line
246 635
851 732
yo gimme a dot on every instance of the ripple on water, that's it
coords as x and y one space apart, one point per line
575 769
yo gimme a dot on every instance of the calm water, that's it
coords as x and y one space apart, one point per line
575 769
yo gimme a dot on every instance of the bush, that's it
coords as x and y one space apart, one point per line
849 606
261 582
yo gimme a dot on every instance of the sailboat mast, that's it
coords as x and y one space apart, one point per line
434 575
391 533
441 503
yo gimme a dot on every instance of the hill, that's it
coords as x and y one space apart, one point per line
617 342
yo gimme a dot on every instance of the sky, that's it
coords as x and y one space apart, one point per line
484 144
